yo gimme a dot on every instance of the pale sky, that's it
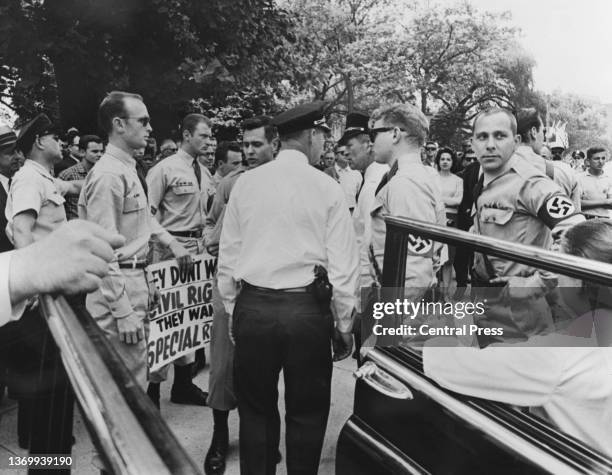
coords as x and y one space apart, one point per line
571 41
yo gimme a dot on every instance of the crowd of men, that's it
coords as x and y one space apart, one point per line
298 227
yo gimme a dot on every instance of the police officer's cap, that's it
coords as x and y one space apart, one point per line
39 126
303 117
356 124
8 138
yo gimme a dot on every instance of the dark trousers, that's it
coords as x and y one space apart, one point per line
462 263
288 331
37 378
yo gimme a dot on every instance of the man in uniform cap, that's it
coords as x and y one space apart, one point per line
273 239
361 158
35 208
9 164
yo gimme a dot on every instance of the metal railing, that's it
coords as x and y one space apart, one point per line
126 427
396 245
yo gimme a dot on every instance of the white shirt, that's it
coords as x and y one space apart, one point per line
4 181
573 385
8 312
350 181
362 221
281 220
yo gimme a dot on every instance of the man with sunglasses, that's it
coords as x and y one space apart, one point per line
114 197
398 132
431 148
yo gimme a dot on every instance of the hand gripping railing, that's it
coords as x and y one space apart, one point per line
125 425
396 245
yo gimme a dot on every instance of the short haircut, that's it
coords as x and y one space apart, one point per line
593 150
497 110
451 152
431 142
167 141
405 116
259 121
87 139
113 105
191 121
223 148
70 135
589 239
525 120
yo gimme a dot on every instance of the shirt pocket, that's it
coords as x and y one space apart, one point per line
53 209
132 204
181 190
496 216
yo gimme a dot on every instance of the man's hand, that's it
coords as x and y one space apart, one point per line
72 259
213 249
131 329
342 344
183 258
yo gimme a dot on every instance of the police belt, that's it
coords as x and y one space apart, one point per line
293 290
187 234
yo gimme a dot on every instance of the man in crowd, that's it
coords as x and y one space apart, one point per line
514 202
228 157
91 148
431 148
9 164
350 180
259 144
34 208
273 241
398 133
114 197
361 158
168 147
177 202
73 152
595 185
531 129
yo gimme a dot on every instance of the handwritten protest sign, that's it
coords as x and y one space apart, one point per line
182 320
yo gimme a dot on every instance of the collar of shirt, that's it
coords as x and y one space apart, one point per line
185 156
340 170
601 175
375 172
120 155
39 168
296 155
408 162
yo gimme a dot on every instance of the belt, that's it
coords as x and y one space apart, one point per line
133 264
293 290
187 234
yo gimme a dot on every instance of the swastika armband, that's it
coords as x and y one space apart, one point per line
419 246
556 209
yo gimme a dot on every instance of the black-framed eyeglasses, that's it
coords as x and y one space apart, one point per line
431 149
374 132
143 120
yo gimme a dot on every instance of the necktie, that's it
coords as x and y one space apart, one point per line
141 177
198 172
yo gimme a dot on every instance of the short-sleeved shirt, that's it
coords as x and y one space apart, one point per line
522 206
76 172
34 189
596 187
177 200
413 192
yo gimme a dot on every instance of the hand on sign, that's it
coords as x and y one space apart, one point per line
131 329
70 260
342 344
213 249
183 258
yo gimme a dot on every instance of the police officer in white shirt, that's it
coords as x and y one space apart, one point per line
273 238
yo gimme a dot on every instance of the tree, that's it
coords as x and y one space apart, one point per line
171 51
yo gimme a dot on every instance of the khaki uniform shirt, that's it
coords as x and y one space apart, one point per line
563 175
113 197
177 201
413 192
214 218
596 187
521 206
33 188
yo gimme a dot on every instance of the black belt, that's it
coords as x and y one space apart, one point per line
187 234
293 290
132 265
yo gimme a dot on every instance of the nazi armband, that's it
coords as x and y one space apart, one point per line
555 209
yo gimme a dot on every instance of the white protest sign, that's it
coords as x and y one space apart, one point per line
182 320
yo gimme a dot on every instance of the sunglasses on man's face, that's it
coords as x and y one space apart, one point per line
374 132
143 120
431 149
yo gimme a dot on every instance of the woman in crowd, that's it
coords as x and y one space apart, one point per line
452 193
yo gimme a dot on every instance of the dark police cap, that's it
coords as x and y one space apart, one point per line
7 139
39 126
303 117
356 124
